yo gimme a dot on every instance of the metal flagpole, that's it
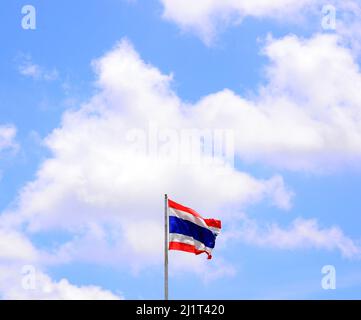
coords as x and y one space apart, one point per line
166 234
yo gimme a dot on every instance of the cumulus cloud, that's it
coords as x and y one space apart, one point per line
15 246
22 277
96 186
16 286
7 137
302 234
103 192
205 17
306 117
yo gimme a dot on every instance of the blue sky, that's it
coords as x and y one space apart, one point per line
70 39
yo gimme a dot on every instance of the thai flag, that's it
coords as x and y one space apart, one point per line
189 232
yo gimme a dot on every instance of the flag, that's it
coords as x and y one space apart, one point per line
189 232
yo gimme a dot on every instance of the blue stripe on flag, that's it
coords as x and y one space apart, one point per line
187 228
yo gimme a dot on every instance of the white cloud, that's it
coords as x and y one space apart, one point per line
7 137
307 116
30 69
15 286
15 246
98 189
17 281
302 234
206 17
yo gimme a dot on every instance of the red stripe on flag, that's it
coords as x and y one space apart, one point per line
178 206
209 222
213 223
187 248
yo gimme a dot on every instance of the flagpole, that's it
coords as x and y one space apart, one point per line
166 247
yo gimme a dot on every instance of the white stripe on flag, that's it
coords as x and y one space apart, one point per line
181 238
